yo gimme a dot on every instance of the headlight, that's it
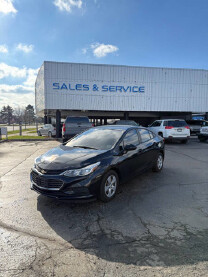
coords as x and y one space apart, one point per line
81 171
37 159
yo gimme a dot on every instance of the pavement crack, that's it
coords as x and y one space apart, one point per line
19 163
30 234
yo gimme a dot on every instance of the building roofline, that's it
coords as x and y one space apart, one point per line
133 66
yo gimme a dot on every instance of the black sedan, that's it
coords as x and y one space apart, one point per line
93 164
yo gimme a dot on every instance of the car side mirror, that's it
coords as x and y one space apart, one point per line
129 147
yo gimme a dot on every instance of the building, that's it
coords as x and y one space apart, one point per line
114 91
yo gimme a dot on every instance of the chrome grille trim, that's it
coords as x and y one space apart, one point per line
46 183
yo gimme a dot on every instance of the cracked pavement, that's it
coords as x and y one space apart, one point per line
156 226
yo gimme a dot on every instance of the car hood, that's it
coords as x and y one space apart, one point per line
64 157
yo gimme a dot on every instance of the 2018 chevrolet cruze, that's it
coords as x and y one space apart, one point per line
94 163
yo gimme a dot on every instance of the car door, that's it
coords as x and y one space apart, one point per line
128 164
46 129
148 146
43 130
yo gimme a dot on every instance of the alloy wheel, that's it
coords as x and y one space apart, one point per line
110 186
160 162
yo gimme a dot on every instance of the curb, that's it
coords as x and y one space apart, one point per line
10 140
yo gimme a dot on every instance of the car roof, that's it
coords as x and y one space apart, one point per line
77 116
171 119
124 120
118 127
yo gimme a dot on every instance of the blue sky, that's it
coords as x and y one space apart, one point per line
160 33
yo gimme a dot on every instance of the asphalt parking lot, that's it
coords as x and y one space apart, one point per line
156 226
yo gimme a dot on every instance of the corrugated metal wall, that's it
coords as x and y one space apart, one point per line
183 90
40 91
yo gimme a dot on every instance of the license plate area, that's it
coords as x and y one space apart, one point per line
179 130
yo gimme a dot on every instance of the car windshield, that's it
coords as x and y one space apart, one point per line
100 139
177 123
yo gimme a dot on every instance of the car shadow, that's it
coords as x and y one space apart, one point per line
134 228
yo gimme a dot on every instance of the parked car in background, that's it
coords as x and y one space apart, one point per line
171 129
203 135
94 163
195 125
126 122
74 125
47 130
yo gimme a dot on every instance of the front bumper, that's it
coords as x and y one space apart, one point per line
65 188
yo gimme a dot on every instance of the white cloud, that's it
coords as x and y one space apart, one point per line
25 48
16 99
3 48
31 77
12 71
67 5
6 6
15 89
21 94
100 50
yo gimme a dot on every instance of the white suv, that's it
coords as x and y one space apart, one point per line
171 129
203 135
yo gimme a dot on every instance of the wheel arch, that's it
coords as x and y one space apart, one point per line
117 171
163 153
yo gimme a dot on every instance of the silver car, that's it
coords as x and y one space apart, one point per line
47 130
74 125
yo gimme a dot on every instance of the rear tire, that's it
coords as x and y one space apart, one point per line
158 166
184 141
109 186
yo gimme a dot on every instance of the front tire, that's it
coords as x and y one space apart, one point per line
109 186
158 166
39 133
49 134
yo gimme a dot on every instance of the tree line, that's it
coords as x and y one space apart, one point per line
26 115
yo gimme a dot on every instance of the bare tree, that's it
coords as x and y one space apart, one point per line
19 114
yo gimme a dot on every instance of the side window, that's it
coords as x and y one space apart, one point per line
165 123
145 135
131 138
156 124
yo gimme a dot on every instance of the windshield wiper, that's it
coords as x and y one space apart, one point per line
85 147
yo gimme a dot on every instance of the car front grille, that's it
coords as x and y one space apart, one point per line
45 183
